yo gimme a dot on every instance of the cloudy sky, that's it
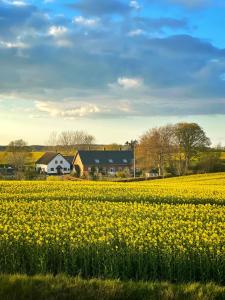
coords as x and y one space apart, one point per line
111 67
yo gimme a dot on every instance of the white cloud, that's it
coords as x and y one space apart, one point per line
67 110
130 83
19 3
86 22
125 106
12 45
64 43
16 3
135 5
57 30
135 32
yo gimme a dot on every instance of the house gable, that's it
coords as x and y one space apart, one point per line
53 163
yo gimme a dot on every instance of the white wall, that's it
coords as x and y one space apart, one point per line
44 168
59 160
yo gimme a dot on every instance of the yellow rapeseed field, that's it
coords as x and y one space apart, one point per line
172 229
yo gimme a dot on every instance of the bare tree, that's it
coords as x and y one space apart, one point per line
17 154
80 137
156 148
52 142
65 141
17 160
17 146
68 140
88 139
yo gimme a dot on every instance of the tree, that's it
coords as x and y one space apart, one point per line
17 154
17 160
67 141
191 139
209 161
88 139
53 141
155 149
18 146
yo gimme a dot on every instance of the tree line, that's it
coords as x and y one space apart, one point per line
172 149
67 141
177 149
18 151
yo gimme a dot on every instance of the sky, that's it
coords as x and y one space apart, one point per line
114 68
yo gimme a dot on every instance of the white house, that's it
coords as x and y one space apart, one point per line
53 163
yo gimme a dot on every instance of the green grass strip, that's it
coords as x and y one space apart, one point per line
22 287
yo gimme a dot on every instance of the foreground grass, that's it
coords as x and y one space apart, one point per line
22 287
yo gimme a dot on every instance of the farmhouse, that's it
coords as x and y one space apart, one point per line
105 162
70 160
52 163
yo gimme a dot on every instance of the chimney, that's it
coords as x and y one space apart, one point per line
104 149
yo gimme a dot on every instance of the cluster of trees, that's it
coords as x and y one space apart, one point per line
17 153
173 148
176 149
67 141
17 156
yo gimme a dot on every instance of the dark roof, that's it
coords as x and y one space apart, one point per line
104 157
46 158
69 159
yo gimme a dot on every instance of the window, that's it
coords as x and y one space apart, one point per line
97 161
65 169
61 162
112 170
125 161
111 161
52 169
56 161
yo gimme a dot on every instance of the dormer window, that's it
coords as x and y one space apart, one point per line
125 161
110 161
97 161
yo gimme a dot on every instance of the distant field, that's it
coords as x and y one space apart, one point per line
172 229
195 189
32 157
